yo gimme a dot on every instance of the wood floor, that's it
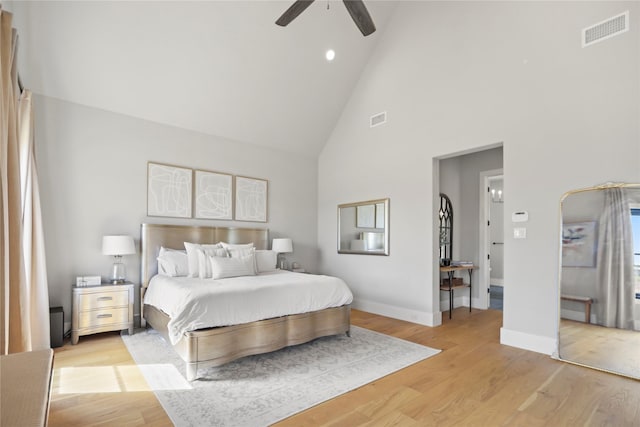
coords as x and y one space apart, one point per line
474 381
611 349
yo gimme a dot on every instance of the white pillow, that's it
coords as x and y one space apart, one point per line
204 266
192 254
243 252
228 246
266 261
238 252
172 262
232 267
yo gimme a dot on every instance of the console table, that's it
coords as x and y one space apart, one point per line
448 286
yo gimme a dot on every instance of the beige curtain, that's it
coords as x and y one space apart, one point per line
615 262
24 298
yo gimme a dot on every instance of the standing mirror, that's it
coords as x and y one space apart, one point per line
445 215
363 227
599 322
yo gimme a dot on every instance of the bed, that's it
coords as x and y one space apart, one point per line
215 346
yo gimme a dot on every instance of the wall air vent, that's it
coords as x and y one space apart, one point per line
378 119
606 29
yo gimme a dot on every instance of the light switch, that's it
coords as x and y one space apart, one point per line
520 233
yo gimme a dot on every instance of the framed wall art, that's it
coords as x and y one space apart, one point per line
366 216
213 197
579 244
251 199
169 190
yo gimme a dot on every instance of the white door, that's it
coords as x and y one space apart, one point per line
491 237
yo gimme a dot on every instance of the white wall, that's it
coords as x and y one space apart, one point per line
93 179
454 76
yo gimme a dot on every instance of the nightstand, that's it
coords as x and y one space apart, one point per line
101 308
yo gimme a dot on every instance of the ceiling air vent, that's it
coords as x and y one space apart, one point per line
606 29
378 119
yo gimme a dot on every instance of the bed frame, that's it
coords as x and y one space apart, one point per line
217 346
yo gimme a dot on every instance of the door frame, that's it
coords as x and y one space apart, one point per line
484 240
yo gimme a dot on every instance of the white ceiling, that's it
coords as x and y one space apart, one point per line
218 67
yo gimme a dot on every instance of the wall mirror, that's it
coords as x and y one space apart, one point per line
363 227
445 216
599 322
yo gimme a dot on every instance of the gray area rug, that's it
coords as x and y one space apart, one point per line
261 390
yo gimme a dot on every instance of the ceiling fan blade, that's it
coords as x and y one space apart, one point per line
360 15
292 13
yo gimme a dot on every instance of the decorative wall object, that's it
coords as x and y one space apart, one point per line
366 216
579 244
213 195
169 190
358 231
251 199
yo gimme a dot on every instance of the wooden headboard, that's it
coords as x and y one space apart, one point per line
153 236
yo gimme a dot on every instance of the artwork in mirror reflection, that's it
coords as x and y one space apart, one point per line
600 278
363 227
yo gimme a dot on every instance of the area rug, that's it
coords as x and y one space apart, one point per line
261 390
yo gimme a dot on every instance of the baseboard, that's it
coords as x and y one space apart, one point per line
458 301
461 301
537 343
401 313
578 316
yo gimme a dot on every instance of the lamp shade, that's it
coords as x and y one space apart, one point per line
282 246
118 245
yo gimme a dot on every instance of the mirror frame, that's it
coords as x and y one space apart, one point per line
385 202
558 353
445 214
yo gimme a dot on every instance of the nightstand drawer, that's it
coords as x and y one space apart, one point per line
97 300
104 317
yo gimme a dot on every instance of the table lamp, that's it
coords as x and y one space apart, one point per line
282 246
117 246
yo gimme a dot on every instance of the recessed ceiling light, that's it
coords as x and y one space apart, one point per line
330 55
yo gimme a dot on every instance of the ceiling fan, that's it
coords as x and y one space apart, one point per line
356 9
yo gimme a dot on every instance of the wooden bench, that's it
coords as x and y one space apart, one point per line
585 300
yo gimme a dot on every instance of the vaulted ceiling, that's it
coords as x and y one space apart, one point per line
218 67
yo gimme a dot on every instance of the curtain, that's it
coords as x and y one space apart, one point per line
24 297
615 262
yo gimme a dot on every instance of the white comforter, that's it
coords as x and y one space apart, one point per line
204 303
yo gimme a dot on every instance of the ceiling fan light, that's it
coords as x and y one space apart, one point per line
330 55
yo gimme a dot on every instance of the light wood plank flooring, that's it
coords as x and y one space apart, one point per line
612 349
474 381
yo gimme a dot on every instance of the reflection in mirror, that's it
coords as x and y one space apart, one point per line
445 216
600 278
363 227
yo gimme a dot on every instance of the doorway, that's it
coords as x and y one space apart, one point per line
459 176
492 239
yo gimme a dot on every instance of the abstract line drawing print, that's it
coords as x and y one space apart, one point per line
214 195
169 190
251 199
